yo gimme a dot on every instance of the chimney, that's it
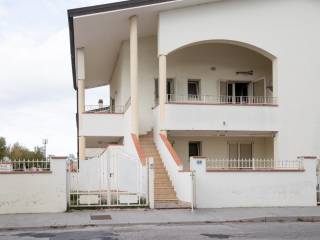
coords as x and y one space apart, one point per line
100 102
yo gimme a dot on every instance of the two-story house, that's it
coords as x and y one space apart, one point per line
234 82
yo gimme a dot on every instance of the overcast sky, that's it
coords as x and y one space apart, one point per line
37 99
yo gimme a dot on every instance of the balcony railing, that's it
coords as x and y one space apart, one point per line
21 165
254 164
103 109
210 99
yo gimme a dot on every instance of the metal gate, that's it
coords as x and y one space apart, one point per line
112 179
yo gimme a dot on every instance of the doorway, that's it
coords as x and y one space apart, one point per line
194 149
170 91
238 92
193 89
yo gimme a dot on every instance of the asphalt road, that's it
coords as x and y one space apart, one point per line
200 231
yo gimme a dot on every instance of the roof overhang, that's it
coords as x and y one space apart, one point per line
101 29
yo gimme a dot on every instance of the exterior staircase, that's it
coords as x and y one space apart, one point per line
164 193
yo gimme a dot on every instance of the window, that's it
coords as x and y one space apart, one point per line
240 155
193 89
240 150
194 149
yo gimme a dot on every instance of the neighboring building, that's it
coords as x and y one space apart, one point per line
235 82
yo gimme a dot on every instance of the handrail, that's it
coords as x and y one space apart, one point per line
127 104
173 153
222 99
139 149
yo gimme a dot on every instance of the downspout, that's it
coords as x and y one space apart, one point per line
77 120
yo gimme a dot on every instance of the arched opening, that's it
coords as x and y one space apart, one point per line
216 73
221 72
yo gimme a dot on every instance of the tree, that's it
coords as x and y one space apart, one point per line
3 147
17 151
20 152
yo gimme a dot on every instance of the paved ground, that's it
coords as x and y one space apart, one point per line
241 231
141 216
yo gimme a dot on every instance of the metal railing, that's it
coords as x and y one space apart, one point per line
104 109
210 99
254 164
127 104
21 165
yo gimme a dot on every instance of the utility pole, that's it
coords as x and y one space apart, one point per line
45 142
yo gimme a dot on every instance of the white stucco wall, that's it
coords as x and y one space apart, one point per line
147 72
93 152
220 117
255 189
35 193
96 124
287 30
217 147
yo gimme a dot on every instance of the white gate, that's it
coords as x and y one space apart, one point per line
111 179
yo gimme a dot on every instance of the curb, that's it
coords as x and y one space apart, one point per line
291 219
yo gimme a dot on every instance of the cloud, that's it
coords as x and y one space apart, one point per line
37 99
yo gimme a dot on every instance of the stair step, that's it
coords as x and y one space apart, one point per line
168 199
162 180
164 197
164 191
171 205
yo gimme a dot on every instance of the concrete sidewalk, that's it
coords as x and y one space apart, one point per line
145 216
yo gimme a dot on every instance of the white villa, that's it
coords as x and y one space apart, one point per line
224 91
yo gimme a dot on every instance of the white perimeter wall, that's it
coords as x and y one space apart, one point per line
287 29
255 189
35 193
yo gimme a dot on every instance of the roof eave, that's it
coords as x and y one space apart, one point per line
98 9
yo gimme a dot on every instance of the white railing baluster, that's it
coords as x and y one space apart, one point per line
254 164
207 99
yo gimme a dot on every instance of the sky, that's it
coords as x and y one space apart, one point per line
37 99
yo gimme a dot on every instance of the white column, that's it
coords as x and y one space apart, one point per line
134 74
81 98
162 85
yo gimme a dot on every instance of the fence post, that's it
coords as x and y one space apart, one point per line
193 189
151 182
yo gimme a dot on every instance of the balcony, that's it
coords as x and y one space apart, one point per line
233 116
216 100
101 120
